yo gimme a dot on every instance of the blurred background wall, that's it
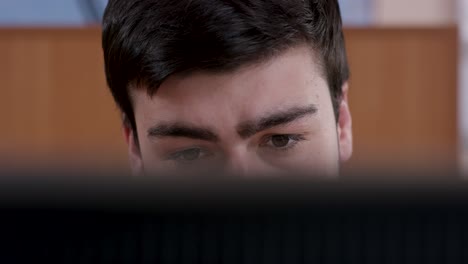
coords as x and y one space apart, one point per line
50 12
408 92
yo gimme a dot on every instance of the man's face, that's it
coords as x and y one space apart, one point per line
276 116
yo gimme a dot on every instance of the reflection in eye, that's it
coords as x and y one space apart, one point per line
282 142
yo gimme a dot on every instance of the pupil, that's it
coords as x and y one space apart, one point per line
280 141
191 154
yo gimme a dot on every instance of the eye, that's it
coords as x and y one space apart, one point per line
189 155
282 142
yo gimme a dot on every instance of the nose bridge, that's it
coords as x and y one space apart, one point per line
240 162
237 164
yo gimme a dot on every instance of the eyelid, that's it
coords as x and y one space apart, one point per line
174 155
294 137
268 147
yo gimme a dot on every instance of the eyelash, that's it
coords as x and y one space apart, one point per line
177 155
295 137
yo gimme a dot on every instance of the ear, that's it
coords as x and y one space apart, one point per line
344 126
136 163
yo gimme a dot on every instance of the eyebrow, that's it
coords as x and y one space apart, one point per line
245 129
182 130
250 128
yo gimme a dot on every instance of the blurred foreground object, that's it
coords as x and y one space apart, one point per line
143 220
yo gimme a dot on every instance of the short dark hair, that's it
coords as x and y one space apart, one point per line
145 41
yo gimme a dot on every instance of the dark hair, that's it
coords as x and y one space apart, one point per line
145 41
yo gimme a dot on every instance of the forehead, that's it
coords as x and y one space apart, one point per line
291 79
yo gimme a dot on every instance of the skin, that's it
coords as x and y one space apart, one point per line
267 118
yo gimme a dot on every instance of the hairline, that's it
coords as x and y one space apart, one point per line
316 58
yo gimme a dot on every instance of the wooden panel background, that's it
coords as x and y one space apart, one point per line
55 104
403 96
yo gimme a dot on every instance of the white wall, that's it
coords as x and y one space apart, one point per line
414 12
462 8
